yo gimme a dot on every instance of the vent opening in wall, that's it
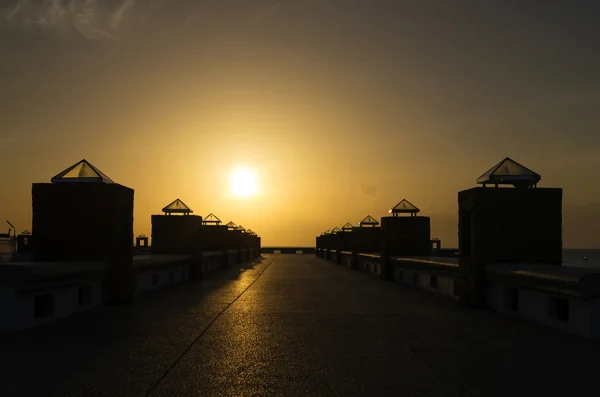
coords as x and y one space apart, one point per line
85 295
558 308
44 306
433 281
511 299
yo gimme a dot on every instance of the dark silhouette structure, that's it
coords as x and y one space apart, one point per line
504 225
84 216
141 241
404 235
367 236
364 238
24 242
173 234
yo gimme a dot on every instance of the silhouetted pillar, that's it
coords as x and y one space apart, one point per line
141 242
367 239
81 221
175 234
24 243
403 236
502 225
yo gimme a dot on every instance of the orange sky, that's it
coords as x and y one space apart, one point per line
341 111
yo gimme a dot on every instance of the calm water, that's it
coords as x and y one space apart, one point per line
581 257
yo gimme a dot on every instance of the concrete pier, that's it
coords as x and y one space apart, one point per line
295 325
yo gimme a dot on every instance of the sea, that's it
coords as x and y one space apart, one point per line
581 257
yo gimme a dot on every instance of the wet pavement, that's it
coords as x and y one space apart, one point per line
295 325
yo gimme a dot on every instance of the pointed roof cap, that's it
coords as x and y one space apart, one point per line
404 207
142 235
211 219
26 233
240 228
327 232
336 230
82 171
348 226
509 172
368 221
177 207
250 232
231 225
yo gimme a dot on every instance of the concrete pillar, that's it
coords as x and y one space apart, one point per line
403 236
87 221
175 234
367 239
503 225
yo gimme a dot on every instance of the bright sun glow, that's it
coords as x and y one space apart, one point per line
244 183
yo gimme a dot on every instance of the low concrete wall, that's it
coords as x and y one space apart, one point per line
439 275
333 254
211 261
347 259
155 271
36 293
370 263
561 297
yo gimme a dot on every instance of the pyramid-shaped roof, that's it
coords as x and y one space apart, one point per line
348 226
249 231
142 235
404 207
231 225
368 221
177 207
240 228
509 172
26 233
326 232
211 219
82 171
336 230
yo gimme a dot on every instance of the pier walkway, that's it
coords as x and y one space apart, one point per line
295 325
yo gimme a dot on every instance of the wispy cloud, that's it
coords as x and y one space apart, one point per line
369 190
91 19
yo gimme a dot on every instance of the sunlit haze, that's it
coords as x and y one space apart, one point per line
341 108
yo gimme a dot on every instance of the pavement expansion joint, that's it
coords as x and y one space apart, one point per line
189 347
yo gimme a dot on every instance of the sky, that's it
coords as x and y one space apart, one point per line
341 107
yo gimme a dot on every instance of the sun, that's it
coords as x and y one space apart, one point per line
244 183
